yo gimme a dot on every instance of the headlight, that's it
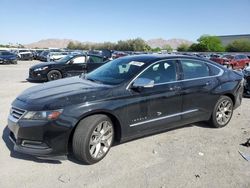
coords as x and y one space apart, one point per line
41 69
42 115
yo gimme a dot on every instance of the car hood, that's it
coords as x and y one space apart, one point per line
7 56
59 93
40 65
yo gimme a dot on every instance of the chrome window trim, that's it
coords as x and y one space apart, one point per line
163 117
184 80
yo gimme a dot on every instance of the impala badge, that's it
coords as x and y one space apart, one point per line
159 113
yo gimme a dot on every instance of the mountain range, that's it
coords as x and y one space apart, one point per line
63 43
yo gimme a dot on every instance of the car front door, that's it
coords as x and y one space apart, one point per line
75 66
199 79
93 62
161 104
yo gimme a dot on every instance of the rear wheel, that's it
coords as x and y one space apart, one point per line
222 112
54 75
93 138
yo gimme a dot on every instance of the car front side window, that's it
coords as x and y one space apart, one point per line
161 72
79 60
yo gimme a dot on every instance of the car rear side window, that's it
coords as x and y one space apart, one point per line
194 69
161 72
214 70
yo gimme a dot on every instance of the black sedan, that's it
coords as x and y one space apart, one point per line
124 99
68 66
8 57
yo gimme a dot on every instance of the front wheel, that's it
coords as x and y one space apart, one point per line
54 75
222 112
93 138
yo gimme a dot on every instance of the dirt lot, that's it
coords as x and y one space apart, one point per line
193 156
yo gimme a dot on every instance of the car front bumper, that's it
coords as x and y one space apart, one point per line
42 139
36 76
8 61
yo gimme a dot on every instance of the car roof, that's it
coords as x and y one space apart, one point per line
151 58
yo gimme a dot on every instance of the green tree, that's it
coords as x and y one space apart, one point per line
167 47
240 45
183 48
157 49
137 44
71 45
210 44
197 47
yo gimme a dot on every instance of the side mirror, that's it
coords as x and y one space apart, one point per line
71 62
140 83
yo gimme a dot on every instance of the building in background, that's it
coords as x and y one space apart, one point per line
226 39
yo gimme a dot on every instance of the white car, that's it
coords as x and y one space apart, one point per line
52 56
24 54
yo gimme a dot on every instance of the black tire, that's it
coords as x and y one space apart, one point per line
83 135
214 119
54 75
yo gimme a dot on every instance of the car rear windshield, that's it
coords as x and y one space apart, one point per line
117 71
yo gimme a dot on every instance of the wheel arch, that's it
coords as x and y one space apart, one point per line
53 69
115 120
231 96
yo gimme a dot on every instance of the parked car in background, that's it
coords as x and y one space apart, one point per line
36 53
51 54
70 65
7 57
24 54
117 54
246 73
126 98
238 61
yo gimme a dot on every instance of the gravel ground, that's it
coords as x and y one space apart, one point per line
193 156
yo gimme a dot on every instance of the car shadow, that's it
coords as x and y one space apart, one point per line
10 146
70 156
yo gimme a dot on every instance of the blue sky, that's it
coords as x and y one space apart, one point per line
26 21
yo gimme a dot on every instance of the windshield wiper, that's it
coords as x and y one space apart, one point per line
93 80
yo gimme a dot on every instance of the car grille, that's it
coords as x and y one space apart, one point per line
17 113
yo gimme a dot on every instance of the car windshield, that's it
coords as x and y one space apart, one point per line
115 72
65 59
23 51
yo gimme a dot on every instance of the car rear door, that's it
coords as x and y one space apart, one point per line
162 102
199 78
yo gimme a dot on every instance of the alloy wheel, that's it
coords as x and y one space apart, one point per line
101 139
224 112
54 76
